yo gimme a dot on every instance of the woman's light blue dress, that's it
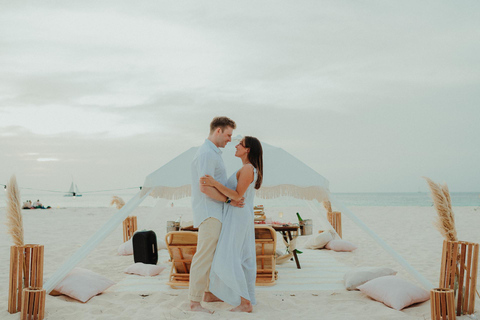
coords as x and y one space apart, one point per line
234 266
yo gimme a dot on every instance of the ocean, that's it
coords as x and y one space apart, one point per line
462 199
417 199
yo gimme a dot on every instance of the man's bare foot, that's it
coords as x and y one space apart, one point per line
196 306
245 306
210 297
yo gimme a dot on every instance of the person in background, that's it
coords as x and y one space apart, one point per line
38 205
27 205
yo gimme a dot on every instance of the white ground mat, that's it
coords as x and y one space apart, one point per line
320 271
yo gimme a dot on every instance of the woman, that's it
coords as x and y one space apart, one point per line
234 267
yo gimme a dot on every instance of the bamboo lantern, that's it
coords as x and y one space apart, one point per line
33 304
26 270
129 227
335 219
459 273
442 304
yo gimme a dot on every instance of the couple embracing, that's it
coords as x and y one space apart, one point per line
224 267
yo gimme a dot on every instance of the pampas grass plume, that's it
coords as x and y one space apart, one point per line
14 212
118 202
445 222
327 205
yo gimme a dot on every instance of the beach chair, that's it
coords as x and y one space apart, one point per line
266 244
181 246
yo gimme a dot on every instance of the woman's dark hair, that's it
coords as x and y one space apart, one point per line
255 156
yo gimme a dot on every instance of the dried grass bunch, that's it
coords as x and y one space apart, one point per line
14 212
327 205
118 202
445 223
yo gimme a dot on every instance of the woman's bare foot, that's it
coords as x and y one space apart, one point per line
245 306
210 297
196 306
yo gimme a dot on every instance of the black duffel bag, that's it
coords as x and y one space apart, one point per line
145 247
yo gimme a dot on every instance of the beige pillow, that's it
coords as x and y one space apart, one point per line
319 241
394 292
359 276
82 284
126 248
146 270
161 245
341 246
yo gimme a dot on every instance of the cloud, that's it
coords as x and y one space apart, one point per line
55 119
47 159
349 88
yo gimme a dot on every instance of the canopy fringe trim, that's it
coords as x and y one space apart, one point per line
288 190
171 193
284 190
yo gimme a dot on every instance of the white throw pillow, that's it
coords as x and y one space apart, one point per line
341 246
143 269
82 284
126 248
161 245
394 292
359 276
319 241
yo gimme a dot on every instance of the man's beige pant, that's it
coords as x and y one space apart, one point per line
208 233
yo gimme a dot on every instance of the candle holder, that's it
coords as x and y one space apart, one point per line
26 270
459 273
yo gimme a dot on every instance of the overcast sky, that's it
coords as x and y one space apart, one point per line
371 94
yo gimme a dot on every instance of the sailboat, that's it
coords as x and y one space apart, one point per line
73 191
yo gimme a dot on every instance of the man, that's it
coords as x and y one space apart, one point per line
207 205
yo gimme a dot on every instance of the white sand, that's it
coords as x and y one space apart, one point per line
408 230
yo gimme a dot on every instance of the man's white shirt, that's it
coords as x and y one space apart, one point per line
207 160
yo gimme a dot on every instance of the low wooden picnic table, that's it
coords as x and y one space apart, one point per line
285 230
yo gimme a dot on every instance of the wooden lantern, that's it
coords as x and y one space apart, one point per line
459 273
129 227
442 304
26 270
33 304
335 219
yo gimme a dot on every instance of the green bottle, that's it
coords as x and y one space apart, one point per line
299 218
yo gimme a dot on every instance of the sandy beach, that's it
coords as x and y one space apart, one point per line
408 230
352 104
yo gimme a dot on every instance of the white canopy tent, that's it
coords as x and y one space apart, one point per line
284 175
